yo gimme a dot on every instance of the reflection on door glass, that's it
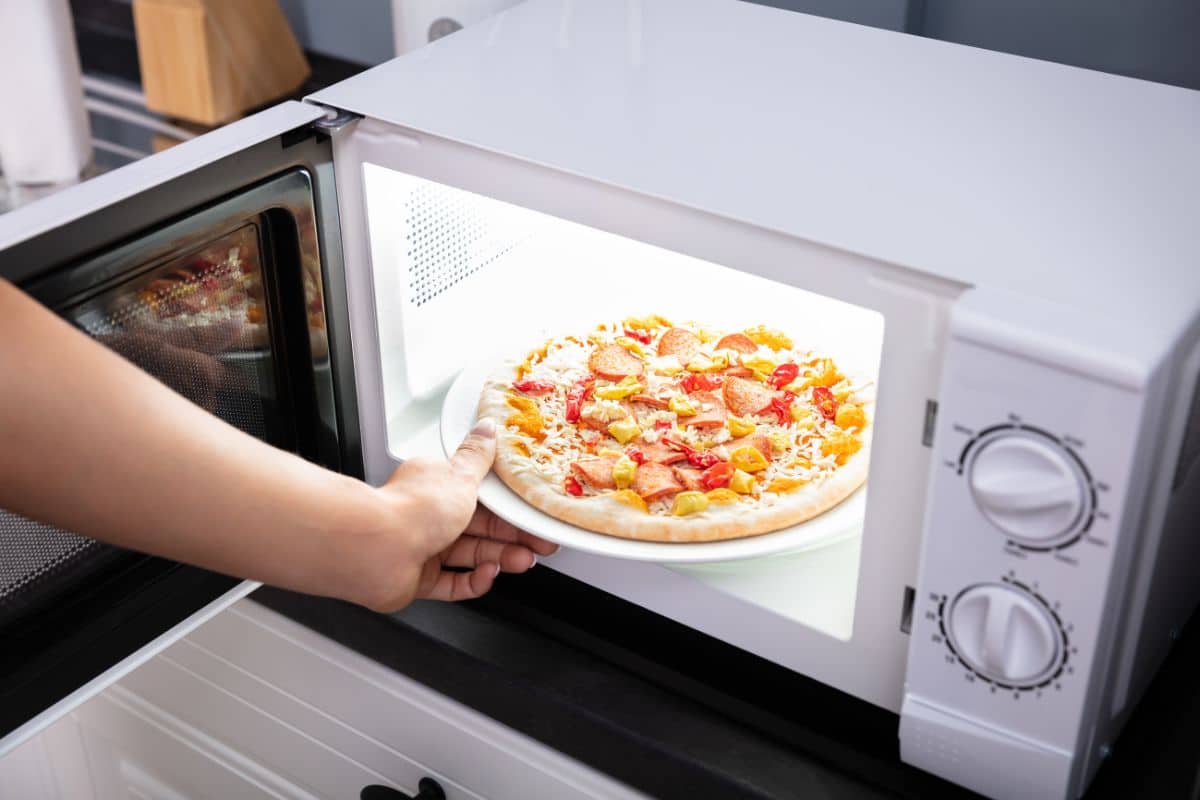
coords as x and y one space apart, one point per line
198 323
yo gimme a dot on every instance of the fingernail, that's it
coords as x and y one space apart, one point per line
486 428
535 560
495 571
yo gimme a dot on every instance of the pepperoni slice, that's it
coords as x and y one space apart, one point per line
653 481
745 397
737 341
650 400
614 362
756 440
681 343
659 453
690 478
711 417
595 472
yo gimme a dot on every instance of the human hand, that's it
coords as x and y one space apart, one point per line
444 545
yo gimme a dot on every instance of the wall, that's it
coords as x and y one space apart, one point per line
1158 40
354 30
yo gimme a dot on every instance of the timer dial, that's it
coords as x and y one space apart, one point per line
1005 634
1028 487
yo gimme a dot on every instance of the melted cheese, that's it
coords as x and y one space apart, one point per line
813 456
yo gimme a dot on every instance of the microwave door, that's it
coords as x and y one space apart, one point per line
215 267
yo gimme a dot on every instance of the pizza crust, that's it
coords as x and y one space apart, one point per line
603 514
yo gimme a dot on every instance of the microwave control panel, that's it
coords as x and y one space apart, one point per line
1014 595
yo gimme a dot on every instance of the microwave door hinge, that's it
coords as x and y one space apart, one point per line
334 120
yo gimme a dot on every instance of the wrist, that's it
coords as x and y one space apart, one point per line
369 550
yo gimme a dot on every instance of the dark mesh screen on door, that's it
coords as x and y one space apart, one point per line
196 322
33 550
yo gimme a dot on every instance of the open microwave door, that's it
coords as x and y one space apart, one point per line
222 251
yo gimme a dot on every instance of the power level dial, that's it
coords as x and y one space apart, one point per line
1005 634
1028 486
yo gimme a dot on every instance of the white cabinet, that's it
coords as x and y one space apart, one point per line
254 705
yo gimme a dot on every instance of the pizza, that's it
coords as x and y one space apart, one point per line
219 286
648 430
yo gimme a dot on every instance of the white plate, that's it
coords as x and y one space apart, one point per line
458 416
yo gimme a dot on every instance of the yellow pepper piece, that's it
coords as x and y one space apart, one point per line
630 498
628 385
740 427
842 390
823 373
785 484
689 503
760 366
667 365
703 363
780 442
632 345
623 472
773 339
841 444
624 430
850 416
721 496
748 459
742 482
802 463
528 420
681 406
609 452
707 335
803 416
646 323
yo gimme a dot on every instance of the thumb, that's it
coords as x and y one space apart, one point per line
474 456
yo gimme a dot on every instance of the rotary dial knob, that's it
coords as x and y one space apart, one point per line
1028 487
1005 634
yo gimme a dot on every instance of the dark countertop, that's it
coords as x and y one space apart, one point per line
676 714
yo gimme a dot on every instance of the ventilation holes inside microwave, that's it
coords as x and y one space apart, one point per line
449 239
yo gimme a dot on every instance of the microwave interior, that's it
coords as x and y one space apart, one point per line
461 278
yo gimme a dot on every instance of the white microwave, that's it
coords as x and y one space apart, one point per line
1011 243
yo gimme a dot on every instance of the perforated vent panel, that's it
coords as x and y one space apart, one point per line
450 237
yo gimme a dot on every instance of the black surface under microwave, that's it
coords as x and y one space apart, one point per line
216 282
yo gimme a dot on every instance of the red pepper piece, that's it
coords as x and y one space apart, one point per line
825 402
700 382
635 455
781 407
697 458
533 386
572 486
783 375
662 424
578 393
641 336
717 476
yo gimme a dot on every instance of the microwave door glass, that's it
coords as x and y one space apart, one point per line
460 279
198 323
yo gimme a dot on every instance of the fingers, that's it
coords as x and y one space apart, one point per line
470 551
487 525
455 586
474 456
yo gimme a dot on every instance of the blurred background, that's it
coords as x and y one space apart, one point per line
155 72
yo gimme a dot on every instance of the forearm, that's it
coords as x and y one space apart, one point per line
143 468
